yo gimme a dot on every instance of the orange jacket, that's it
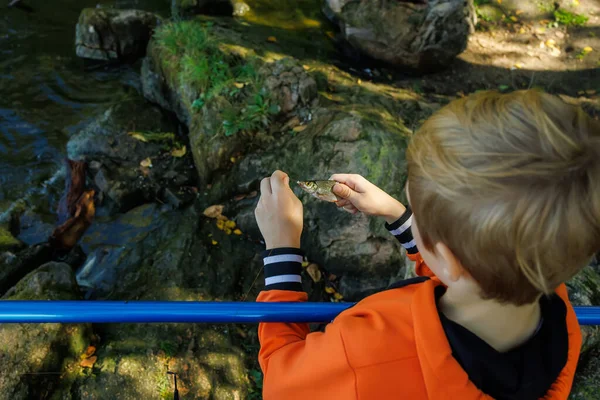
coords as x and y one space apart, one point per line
391 345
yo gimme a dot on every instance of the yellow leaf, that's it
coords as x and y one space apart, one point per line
214 242
338 296
272 39
581 92
239 85
550 43
138 136
519 12
330 290
230 224
314 272
587 49
299 128
147 163
237 232
522 31
499 1
88 362
232 159
227 231
305 264
513 18
359 81
518 65
179 152
214 211
330 34
306 67
220 224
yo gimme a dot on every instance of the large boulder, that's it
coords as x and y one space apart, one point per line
419 35
358 248
31 354
227 95
122 35
134 155
153 254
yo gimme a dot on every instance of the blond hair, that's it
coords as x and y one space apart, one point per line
511 184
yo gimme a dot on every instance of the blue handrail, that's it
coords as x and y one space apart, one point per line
16 311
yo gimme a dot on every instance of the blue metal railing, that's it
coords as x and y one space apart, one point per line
12 311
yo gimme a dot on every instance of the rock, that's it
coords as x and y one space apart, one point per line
31 354
13 269
221 122
113 147
122 35
166 255
423 37
289 85
355 247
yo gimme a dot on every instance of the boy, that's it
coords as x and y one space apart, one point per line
504 194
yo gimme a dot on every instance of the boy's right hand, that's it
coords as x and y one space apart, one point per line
358 194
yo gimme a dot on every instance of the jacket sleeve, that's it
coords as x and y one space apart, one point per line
295 362
401 229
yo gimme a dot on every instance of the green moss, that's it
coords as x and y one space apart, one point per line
197 61
567 18
7 241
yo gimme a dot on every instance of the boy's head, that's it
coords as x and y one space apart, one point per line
510 184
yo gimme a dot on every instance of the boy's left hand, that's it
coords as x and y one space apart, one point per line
279 212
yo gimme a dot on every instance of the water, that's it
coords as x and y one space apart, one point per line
46 93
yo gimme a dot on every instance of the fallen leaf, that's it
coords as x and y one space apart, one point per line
499 1
330 34
67 235
147 163
299 128
575 3
581 92
138 136
295 121
314 272
519 65
513 18
232 159
214 211
359 81
272 39
220 224
338 296
237 232
519 12
522 31
230 224
306 67
227 231
88 362
179 152
540 30
590 92
90 351
214 242
330 290
239 85
550 43
587 49
239 197
305 263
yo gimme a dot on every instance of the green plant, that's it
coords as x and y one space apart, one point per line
169 348
567 18
256 379
256 114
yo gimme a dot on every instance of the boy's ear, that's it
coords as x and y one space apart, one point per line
452 265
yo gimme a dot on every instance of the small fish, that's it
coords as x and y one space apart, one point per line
322 190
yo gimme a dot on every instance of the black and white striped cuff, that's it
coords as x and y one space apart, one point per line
401 231
283 267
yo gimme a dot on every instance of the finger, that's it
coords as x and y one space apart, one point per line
279 181
350 207
342 203
350 180
343 191
265 186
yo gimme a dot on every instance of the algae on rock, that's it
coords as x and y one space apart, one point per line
30 354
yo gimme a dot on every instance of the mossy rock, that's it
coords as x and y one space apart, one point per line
31 350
